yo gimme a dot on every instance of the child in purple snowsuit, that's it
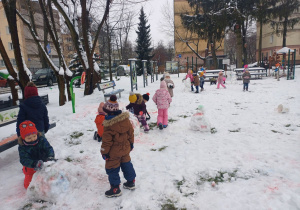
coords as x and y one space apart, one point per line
162 99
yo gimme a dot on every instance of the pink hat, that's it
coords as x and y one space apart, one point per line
163 85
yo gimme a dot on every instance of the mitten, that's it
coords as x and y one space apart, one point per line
105 156
131 146
39 165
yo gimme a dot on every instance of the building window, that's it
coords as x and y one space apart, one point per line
70 56
2 63
7 30
70 48
13 61
10 46
271 39
69 39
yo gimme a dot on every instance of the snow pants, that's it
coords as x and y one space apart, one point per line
128 172
28 172
220 83
143 121
201 84
246 86
162 116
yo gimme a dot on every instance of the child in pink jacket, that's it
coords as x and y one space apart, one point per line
220 80
162 99
190 75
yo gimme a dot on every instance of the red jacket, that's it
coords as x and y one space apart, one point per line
99 120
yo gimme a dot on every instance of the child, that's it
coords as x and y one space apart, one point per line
190 75
99 120
196 82
220 80
162 99
202 80
138 107
170 84
246 79
117 143
33 109
34 150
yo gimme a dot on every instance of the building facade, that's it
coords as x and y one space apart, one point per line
182 52
272 42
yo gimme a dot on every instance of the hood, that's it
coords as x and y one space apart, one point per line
139 98
120 128
163 85
34 101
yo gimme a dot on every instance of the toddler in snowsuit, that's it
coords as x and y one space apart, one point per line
196 82
117 143
170 84
34 150
99 120
246 79
220 80
162 99
33 109
202 80
138 107
190 75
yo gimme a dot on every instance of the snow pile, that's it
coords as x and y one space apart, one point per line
187 84
56 181
135 124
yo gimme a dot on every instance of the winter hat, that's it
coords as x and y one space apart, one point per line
111 106
146 96
246 66
30 90
132 97
221 73
100 108
27 128
163 85
167 75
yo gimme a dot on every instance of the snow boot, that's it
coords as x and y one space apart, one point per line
129 185
99 138
113 192
160 126
165 126
95 135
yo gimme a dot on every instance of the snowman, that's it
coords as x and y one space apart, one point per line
199 122
187 85
135 124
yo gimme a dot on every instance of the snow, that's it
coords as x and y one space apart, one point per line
284 50
249 160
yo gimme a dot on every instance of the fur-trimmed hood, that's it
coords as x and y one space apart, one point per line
116 119
139 98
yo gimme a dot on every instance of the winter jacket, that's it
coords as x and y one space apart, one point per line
170 83
162 97
220 79
34 109
117 136
190 75
196 80
138 106
246 77
99 120
31 154
202 78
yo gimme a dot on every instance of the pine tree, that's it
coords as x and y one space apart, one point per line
143 41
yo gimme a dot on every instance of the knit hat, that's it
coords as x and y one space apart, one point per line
132 97
111 106
167 75
146 96
163 84
30 90
100 108
27 128
246 66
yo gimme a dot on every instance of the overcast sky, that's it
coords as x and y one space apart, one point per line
153 10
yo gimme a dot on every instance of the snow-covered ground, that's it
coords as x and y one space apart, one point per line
253 157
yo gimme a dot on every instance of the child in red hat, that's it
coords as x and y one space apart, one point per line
34 150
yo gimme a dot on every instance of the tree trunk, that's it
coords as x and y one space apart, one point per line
239 48
284 32
214 55
244 30
260 42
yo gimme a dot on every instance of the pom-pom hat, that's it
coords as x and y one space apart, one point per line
27 128
30 90
146 96
111 106
132 97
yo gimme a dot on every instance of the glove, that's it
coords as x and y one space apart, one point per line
131 146
39 165
141 112
105 156
51 159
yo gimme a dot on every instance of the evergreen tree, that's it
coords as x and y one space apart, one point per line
284 12
143 41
